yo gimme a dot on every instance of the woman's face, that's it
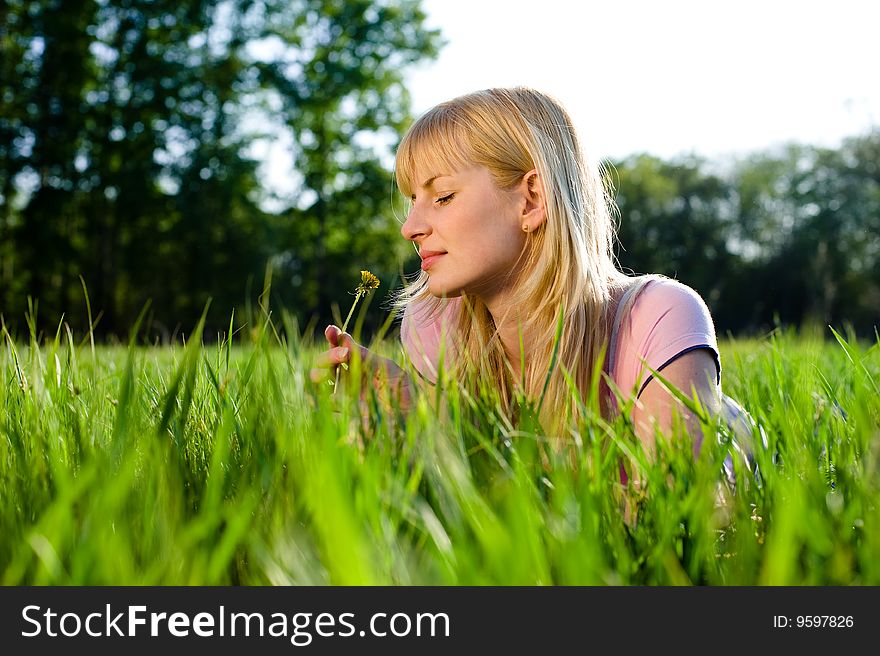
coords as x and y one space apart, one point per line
468 231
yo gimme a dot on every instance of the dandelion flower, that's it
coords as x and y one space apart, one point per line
369 282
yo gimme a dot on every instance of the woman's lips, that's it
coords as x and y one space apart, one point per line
429 259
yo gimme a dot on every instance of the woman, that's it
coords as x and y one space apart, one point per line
514 227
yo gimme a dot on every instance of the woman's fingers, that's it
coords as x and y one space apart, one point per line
333 357
346 341
327 361
332 333
342 347
337 338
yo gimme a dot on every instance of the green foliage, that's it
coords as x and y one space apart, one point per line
788 236
676 220
128 140
223 465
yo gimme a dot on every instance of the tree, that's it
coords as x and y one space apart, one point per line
126 150
341 94
675 219
812 217
44 69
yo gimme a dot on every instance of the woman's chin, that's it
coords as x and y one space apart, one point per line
439 290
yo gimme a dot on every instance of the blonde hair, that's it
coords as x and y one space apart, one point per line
567 265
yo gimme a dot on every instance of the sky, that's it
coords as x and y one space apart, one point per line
669 77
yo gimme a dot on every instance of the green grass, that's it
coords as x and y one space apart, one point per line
213 465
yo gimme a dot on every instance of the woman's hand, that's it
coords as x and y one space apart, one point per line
383 374
342 346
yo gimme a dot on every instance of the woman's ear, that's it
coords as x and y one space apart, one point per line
534 211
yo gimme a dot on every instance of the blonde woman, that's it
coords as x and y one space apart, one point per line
514 226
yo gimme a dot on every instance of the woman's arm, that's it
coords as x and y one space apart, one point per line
656 406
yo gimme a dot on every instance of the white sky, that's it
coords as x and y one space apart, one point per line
670 76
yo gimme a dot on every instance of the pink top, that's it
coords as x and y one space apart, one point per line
666 320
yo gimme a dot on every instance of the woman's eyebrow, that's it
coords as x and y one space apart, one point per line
430 181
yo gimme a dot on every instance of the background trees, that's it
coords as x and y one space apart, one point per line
131 136
128 140
789 236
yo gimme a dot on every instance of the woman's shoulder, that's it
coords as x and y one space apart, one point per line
661 298
664 319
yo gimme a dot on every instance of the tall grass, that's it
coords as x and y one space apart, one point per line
222 464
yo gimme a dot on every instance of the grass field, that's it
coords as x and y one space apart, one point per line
211 464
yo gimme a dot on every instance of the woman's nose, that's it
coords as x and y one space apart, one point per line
415 227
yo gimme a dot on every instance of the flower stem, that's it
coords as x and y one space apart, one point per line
357 297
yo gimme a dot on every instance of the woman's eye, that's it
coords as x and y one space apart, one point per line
443 200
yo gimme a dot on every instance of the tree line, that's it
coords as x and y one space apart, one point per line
129 140
131 135
788 236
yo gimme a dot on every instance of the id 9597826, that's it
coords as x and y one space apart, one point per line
813 622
